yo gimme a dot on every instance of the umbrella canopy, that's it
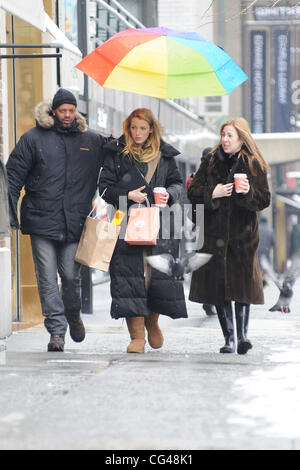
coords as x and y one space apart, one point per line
163 63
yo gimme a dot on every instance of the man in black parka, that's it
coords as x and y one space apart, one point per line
58 162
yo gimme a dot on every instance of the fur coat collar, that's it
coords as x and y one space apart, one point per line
44 117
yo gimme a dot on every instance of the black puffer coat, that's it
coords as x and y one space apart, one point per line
230 233
60 171
129 296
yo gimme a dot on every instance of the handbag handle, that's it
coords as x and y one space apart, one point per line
147 203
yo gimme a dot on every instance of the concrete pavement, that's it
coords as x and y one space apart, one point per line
184 396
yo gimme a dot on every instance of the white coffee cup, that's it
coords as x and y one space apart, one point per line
158 191
238 177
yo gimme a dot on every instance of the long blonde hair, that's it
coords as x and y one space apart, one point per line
249 147
150 149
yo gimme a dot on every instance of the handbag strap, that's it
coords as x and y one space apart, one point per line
142 205
147 203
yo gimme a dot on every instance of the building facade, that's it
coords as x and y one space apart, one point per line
77 27
28 76
264 41
271 34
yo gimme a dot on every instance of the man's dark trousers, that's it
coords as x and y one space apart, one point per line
52 257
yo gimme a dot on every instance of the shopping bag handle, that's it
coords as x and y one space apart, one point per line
100 197
147 203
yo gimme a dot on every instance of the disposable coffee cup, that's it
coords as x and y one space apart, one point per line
158 192
238 177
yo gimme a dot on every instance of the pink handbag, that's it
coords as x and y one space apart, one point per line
143 226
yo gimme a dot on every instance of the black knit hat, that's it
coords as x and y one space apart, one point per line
63 96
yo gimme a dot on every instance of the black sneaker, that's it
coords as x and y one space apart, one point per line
57 343
77 330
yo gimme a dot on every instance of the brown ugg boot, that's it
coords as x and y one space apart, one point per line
155 336
136 328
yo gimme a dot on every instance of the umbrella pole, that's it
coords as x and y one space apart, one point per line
158 112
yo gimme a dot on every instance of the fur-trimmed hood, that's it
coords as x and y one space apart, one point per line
44 118
59 170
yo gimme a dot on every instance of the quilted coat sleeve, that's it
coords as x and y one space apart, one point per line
173 182
19 165
108 183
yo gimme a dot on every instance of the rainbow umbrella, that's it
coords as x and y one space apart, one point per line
163 63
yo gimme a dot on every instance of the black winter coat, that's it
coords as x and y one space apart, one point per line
230 233
6 206
129 296
60 171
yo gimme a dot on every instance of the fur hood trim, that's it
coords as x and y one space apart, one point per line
45 119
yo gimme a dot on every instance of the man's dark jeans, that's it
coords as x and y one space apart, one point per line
52 258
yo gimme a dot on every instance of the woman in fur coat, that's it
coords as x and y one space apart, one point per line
231 230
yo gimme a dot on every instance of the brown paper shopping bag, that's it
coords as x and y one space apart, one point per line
97 243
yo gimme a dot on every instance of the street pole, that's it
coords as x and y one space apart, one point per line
86 273
15 128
